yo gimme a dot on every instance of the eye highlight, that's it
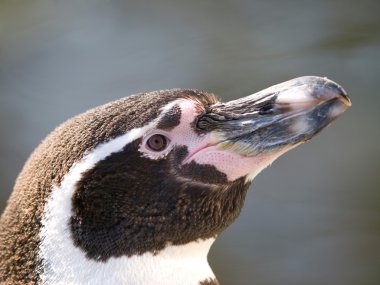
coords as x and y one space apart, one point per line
157 142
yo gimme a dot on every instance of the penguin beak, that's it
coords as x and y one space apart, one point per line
276 118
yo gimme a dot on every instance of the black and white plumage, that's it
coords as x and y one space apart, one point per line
135 191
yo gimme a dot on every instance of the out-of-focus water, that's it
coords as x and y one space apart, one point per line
314 216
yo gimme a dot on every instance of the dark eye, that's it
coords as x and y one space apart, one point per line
157 142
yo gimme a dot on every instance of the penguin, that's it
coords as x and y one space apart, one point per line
134 192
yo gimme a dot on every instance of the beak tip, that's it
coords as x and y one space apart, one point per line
339 91
327 89
346 100
309 91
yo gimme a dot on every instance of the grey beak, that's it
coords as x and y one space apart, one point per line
282 115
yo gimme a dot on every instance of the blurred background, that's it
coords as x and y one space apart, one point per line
311 218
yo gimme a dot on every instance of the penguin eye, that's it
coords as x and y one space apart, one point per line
157 142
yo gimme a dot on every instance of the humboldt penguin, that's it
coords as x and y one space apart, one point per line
135 192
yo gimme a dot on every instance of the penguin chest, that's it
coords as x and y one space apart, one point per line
175 265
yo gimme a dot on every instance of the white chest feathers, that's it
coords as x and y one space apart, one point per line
175 265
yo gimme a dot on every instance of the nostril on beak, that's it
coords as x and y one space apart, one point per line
266 109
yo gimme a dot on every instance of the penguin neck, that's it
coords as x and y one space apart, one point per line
65 263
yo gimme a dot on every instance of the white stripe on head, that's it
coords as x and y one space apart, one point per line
64 263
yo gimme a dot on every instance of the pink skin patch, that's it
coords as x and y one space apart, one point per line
234 165
204 149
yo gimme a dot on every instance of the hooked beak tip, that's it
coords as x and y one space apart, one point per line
308 92
345 99
338 92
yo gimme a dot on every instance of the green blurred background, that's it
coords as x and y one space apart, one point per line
314 216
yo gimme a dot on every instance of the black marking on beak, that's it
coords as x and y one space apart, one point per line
282 115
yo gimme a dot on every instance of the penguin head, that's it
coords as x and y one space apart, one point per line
179 171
